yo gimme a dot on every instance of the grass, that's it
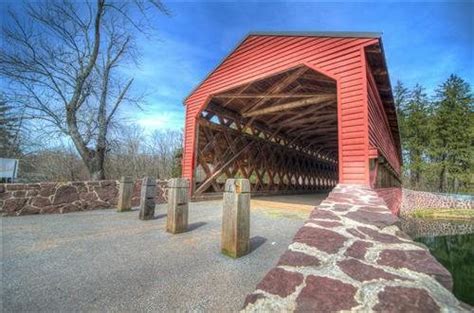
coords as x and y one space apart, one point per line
450 214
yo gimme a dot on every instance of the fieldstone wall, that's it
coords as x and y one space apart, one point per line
350 255
412 200
64 197
423 227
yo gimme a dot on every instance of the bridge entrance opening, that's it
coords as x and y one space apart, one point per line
279 131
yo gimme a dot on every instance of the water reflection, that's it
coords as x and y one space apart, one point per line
456 253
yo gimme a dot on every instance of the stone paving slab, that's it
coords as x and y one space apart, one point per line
351 256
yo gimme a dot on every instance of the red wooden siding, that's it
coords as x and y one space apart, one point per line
380 136
342 59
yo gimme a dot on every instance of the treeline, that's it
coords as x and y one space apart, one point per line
437 135
131 151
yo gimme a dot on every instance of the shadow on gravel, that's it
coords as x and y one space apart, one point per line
159 216
256 242
194 226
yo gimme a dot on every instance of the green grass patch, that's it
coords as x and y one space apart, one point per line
446 214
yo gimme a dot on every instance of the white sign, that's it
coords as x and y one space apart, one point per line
8 169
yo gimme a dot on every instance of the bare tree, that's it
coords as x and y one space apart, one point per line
164 145
135 154
60 60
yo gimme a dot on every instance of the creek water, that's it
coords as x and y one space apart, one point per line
452 244
456 253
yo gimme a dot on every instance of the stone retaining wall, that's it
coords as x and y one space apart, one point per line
423 227
412 200
351 255
64 197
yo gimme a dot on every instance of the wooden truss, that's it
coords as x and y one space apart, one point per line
280 133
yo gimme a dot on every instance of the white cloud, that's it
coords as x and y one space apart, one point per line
161 121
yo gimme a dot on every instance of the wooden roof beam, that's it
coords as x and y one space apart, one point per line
311 119
292 105
282 84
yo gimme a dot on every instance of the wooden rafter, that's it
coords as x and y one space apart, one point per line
276 88
292 105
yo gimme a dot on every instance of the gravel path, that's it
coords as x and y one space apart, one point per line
108 261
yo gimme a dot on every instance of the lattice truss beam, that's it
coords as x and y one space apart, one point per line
279 132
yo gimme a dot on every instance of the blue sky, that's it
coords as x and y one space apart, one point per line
424 42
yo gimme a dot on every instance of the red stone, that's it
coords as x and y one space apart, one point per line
47 189
403 235
322 294
419 261
51 209
343 206
107 193
5 195
88 196
328 224
403 299
293 258
375 208
28 209
322 214
14 204
322 239
19 193
363 272
280 282
40 202
358 249
378 236
32 193
252 298
80 186
355 233
69 207
65 194
373 218
13 187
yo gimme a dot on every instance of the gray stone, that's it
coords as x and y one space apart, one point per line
125 194
177 219
147 199
236 218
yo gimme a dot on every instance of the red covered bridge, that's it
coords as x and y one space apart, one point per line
294 112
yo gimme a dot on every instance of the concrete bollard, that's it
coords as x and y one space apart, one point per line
125 194
147 199
177 219
236 218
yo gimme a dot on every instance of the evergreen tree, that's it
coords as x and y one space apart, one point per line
400 95
415 135
453 135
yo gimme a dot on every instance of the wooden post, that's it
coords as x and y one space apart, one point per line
125 194
236 218
147 199
177 220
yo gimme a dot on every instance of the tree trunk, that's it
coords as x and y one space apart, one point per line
456 185
442 179
95 164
